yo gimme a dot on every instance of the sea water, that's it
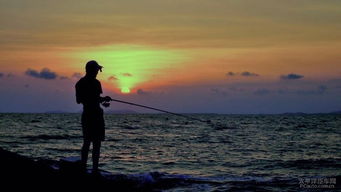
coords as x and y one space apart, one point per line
228 152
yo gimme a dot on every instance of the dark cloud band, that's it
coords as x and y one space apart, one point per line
244 74
43 74
248 74
291 76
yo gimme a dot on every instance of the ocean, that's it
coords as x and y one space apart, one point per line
227 153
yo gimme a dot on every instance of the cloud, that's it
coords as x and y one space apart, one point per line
321 89
291 76
317 91
248 74
230 73
141 92
127 74
63 77
45 73
77 75
244 74
8 75
112 78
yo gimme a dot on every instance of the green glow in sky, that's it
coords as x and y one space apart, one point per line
131 65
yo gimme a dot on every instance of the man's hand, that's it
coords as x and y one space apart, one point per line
105 104
106 99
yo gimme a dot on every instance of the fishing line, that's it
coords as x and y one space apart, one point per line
160 110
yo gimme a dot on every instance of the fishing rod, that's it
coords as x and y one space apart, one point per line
160 110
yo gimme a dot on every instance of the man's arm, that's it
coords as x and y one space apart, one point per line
102 99
79 98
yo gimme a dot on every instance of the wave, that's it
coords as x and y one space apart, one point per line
48 137
162 181
297 164
266 164
312 163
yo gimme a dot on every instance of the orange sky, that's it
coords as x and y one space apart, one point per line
188 42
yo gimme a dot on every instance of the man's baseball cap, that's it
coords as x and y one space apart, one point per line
93 65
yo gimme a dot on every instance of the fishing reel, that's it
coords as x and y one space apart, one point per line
105 104
106 101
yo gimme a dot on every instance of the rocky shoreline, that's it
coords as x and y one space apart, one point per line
18 171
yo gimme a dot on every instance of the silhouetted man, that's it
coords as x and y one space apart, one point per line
88 91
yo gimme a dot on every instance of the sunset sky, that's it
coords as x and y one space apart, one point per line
190 56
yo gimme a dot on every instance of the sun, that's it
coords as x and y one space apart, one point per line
125 90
